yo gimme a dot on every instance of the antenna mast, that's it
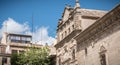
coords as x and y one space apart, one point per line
32 28
6 27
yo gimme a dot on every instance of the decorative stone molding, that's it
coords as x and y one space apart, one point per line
101 28
95 13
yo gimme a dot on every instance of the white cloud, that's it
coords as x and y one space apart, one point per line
12 26
40 35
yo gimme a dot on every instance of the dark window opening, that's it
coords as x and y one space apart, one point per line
69 30
73 27
86 51
59 61
14 51
4 60
73 54
65 33
103 59
62 36
21 51
103 55
19 39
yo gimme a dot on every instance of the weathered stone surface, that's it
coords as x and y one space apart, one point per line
96 42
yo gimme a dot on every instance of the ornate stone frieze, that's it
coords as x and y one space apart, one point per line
88 12
101 28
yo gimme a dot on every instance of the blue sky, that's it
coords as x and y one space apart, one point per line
45 12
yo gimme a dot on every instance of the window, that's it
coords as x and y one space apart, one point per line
73 27
86 51
23 38
62 36
103 59
103 56
0 49
59 61
68 22
65 33
3 49
28 39
17 38
65 48
73 53
13 38
21 51
14 51
69 30
4 60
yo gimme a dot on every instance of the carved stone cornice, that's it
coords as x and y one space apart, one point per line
93 13
106 25
65 22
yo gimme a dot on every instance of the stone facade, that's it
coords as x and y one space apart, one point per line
88 37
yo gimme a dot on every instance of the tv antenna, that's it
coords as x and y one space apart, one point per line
6 27
32 27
